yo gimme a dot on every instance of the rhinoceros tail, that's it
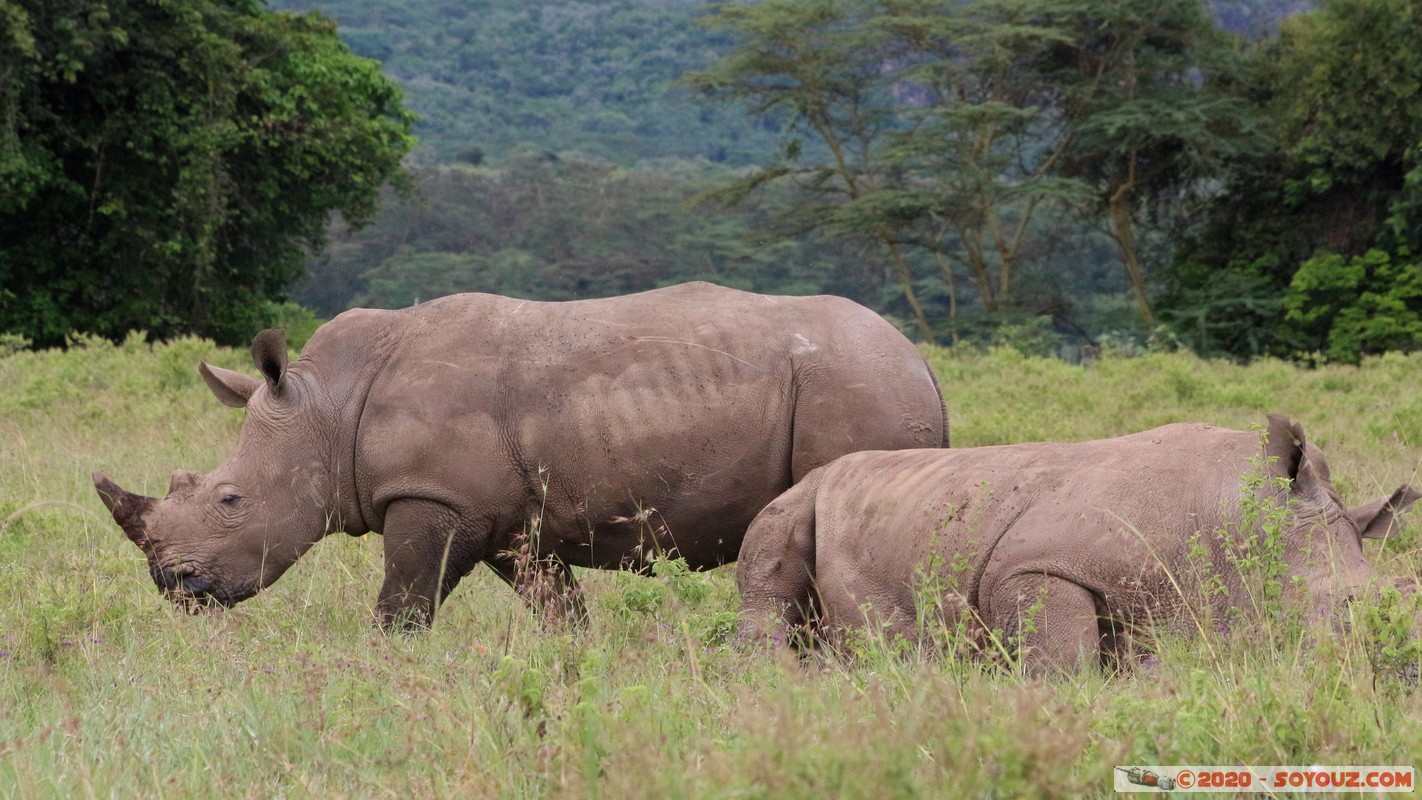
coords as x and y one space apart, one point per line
942 401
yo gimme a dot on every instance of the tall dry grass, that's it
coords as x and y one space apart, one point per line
106 691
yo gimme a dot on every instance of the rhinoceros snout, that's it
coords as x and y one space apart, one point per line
195 592
184 586
184 581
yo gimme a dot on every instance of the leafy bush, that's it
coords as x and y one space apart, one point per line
13 343
170 167
1348 308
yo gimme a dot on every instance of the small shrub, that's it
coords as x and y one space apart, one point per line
178 362
1256 544
637 596
11 343
715 628
1030 336
689 587
1387 630
298 321
523 685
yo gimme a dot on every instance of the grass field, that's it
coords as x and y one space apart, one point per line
107 691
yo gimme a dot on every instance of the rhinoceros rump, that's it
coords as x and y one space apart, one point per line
1097 532
617 429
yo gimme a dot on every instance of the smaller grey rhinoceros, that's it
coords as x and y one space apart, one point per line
611 431
1096 535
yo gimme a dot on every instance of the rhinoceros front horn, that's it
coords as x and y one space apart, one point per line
128 508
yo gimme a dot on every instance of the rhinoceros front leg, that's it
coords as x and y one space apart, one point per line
1053 620
428 549
546 584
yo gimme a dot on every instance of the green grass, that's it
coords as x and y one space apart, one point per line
107 691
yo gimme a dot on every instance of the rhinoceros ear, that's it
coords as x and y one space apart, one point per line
1284 446
1290 456
1379 519
269 354
233 389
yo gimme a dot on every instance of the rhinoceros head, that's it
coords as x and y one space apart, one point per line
221 537
1323 540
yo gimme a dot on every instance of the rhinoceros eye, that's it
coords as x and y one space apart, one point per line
230 499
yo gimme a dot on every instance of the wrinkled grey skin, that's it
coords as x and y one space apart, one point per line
1098 532
619 429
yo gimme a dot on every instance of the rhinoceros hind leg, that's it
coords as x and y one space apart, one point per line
428 549
546 584
1053 620
775 573
874 404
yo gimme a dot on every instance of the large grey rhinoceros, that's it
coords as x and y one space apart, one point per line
612 430
1096 535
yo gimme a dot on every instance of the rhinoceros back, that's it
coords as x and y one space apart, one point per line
630 425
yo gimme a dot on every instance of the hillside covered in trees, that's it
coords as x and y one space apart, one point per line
596 76
1055 172
1239 177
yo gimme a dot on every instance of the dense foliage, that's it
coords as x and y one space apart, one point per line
1072 171
1315 244
167 166
554 227
596 76
954 128
972 169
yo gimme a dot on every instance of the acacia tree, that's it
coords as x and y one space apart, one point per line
918 130
948 126
820 63
979 142
168 166
1144 81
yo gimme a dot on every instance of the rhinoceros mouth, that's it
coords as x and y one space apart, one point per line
189 587
198 602
191 591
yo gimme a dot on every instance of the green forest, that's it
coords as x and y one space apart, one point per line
1068 176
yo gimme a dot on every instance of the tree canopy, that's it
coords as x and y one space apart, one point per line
595 76
969 169
977 170
169 166
1325 225
950 127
